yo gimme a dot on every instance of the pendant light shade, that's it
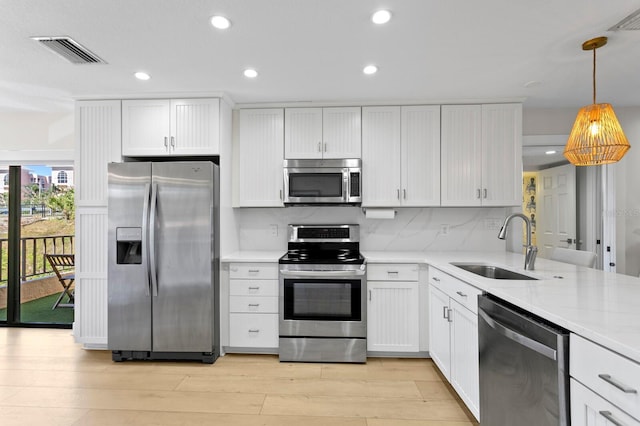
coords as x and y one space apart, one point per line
597 137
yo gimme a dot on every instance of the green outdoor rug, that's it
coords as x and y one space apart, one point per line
39 311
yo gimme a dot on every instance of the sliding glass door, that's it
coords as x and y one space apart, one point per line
37 246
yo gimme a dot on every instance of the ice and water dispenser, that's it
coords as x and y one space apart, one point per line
129 245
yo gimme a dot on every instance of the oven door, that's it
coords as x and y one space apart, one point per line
316 186
323 304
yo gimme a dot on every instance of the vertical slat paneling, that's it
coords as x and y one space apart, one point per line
342 129
303 132
261 154
380 156
99 135
393 319
421 155
460 152
195 126
98 142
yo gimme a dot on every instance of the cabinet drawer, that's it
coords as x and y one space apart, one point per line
461 292
253 287
589 408
253 330
254 270
392 272
614 377
247 304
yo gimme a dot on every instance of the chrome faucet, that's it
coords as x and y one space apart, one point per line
532 251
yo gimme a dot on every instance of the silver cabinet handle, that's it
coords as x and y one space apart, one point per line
166 142
392 272
461 294
449 318
478 193
325 147
445 309
254 305
369 295
173 142
517 337
624 388
436 279
609 416
485 193
254 271
319 146
398 193
404 194
254 330
254 288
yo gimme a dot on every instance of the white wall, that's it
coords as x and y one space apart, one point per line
46 138
627 214
413 229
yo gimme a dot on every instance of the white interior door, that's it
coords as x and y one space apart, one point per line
556 210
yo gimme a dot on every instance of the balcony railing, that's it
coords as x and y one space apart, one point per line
32 250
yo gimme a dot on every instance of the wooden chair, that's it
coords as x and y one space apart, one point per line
63 265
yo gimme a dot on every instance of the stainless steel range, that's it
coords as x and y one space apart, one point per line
323 307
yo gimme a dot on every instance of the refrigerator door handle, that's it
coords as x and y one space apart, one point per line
152 239
145 238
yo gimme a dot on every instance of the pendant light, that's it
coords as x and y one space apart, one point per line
596 137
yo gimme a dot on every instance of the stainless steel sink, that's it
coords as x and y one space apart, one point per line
493 272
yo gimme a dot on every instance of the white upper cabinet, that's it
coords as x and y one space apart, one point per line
158 127
261 157
401 156
481 148
315 133
381 170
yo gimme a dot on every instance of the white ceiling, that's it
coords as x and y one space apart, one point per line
314 50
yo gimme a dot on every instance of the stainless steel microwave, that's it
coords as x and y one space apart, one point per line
308 182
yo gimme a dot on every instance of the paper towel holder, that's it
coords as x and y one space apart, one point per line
372 209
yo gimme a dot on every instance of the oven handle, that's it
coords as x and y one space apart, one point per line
320 274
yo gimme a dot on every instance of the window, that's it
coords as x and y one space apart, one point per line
62 177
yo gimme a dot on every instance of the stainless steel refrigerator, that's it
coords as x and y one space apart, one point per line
163 269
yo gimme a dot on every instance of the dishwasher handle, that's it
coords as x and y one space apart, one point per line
519 338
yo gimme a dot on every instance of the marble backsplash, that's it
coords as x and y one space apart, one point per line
412 229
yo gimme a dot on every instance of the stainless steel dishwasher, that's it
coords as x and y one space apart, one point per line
524 367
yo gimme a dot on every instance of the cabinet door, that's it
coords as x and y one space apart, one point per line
439 347
146 127
502 155
195 127
461 149
303 133
392 316
420 150
465 373
381 156
341 132
261 155
590 409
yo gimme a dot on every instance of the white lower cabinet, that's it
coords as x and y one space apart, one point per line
605 386
393 308
253 307
453 335
590 409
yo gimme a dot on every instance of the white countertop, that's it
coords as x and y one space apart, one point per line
601 306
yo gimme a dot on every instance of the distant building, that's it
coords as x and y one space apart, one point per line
61 176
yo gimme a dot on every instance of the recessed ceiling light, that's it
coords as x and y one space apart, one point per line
142 75
550 152
370 69
220 22
381 17
250 73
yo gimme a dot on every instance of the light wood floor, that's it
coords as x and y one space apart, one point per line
47 379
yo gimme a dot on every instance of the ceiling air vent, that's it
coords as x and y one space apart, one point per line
630 23
70 50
